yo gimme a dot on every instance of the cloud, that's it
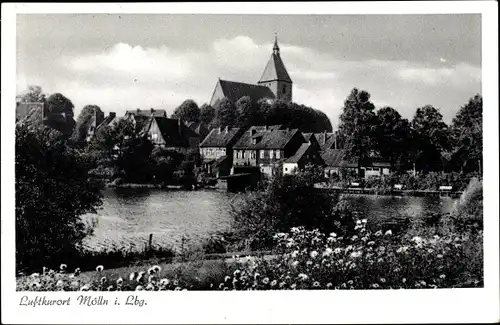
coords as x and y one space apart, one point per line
128 76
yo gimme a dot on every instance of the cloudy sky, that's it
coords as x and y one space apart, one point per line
121 62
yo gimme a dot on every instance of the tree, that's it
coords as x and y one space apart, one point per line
225 113
357 126
188 111
207 114
392 135
53 189
467 136
83 123
247 112
32 94
430 138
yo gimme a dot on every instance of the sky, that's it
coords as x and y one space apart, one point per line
123 61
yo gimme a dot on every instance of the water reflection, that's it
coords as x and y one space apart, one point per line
128 216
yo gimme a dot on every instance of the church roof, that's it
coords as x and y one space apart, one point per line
233 91
275 70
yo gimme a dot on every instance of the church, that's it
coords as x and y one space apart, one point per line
275 83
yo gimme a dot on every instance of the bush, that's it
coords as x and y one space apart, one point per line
287 201
468 211
53 189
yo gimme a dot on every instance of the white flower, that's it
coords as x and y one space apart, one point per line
332 234
371 243
329 285
103 280
35 275
382 280
139 288
132 276
439 256
295 230
316 284
150 287
436 237
85 288
157 268
378 233
236 273
308 263
442 276
164 282
99 268
265 280
119 281
295 263
328 252
274 283
303 277
63 267
354 238
60 283
348 248
404 280
358 222
337 250
388 232
356 254
295 254
364 221
314 254
109 288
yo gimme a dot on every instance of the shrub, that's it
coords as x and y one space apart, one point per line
53 189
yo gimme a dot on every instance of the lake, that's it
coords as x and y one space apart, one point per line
178 218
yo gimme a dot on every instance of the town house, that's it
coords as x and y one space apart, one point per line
265 148
216 150
171 134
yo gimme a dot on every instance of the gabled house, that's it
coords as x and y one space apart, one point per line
308 153
216 150
266 148
171 134
140 118
108 121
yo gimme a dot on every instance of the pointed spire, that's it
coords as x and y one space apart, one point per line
276 48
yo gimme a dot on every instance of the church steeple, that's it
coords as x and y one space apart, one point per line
276 48
275 76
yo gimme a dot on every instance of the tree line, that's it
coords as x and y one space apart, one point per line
425 143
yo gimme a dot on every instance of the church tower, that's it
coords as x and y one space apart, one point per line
275 76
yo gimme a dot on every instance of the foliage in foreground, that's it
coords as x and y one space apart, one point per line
312 260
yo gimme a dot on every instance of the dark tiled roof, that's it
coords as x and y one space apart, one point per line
275 70
267 139
170 128
199 128
334 158
106 121
326 140
220 138
147 112
235 90
298 154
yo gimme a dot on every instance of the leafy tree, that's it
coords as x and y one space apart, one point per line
32 94
53 190
467 136
207 114
188 111
430 138
392 135
247 112
357 126
225 113
165 163
83 122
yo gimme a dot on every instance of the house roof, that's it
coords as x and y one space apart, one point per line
173 133
147 112
106 120
199 128
299 154
235 90
334 158
266 139
326 140
220 137
275 70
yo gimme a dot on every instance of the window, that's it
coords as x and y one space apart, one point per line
243 154
271 156
237 154
284 89
278 154
262 154
253 154
154 136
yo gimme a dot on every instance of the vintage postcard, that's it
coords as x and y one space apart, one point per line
250 163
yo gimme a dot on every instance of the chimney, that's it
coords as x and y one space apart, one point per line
112 114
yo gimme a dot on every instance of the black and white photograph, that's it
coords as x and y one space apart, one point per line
273 153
